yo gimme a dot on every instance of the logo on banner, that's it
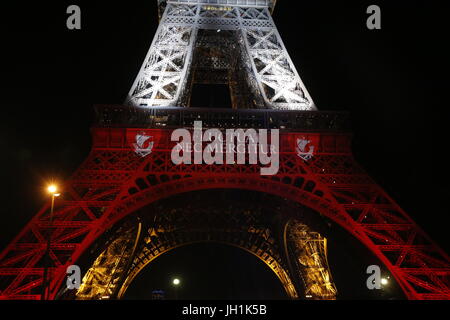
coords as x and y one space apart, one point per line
143 145
305 149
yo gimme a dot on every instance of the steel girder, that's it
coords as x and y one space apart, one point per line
163 78
114 182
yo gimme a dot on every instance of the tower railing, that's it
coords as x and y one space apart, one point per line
176 117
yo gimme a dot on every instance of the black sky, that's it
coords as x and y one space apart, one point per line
393 82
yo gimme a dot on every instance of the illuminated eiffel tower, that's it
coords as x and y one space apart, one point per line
128 203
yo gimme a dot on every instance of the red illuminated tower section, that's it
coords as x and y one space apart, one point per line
130 167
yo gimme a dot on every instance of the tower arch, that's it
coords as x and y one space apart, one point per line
173 222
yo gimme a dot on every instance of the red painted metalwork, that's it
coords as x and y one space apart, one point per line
114 181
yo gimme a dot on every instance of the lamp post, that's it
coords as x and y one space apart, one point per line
385 292
176 282
53 190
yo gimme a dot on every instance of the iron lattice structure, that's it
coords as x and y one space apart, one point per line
166 75
116 181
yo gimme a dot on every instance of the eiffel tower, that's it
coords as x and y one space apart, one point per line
129 204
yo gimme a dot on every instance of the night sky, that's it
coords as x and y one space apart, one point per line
390 80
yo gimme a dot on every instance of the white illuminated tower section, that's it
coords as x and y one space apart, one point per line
164 79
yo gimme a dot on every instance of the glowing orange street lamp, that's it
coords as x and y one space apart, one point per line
53 190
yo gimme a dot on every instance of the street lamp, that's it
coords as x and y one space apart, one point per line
53 190
176 283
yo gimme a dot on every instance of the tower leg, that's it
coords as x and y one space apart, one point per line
306 252
277 77
163 75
